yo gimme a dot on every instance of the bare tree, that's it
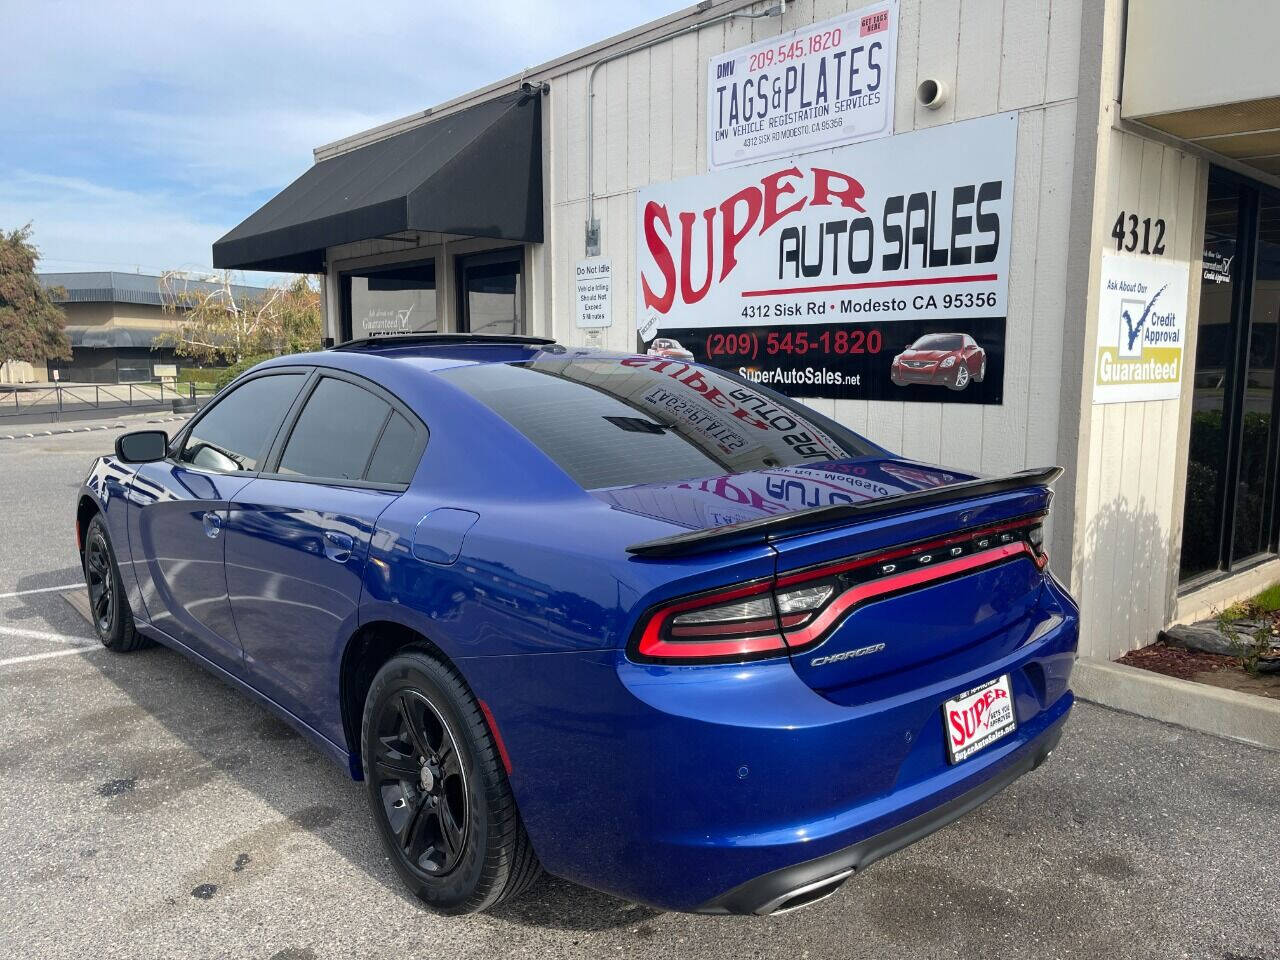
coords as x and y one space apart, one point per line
223 322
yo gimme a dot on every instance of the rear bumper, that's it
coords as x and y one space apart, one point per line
679 786
811 880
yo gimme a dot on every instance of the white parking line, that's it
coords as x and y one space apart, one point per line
6 630
8 661
23 593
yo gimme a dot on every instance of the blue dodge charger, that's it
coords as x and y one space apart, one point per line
634 621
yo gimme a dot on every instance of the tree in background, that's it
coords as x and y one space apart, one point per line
31 324
301 317
220 324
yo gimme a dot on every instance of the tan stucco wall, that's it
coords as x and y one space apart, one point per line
108 315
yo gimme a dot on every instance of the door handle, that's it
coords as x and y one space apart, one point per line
337 546
212 524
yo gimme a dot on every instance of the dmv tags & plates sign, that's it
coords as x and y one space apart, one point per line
819 86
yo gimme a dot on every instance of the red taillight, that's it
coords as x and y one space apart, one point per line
797 611
737 623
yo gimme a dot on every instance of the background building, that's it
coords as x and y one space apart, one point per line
1088 190
113 320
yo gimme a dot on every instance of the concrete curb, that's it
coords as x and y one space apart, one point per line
97 426
1198 706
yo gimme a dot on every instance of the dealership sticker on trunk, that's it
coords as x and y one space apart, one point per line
978 718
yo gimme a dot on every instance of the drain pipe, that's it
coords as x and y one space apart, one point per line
593 225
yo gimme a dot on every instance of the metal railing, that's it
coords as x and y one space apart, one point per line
55 399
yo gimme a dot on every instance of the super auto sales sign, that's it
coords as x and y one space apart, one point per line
876 271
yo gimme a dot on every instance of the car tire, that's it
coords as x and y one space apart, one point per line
454 864
982 372
108 606
962 378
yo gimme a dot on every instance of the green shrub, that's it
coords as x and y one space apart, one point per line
199 374
1251 644
233 371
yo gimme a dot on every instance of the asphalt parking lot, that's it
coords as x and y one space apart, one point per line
146 810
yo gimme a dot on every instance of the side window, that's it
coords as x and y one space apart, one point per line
397 455
236 433
335 433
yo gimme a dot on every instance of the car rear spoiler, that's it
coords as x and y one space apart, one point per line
766 529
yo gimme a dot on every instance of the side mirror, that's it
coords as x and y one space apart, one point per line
142 446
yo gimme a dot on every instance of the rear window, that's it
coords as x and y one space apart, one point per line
335 433
617 421
396 457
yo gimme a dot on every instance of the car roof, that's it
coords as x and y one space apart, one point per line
429 354
423 352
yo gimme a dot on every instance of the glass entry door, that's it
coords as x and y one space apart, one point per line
1230 516
389 301
491 292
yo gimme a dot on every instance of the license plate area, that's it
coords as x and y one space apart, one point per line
978 718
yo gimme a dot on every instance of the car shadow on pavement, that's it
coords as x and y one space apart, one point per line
222 734
561 905
252 745
42 581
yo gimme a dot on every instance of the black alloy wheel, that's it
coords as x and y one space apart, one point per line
108 606
437 785
97 574
419 776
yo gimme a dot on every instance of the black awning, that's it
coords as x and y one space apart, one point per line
477 172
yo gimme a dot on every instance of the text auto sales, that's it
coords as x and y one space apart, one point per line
835 86
925 229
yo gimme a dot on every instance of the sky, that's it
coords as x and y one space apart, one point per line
134 135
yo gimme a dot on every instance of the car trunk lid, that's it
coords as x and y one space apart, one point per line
951 585
769 506
926 569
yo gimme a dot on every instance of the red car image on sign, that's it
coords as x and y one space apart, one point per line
978 718
670 349
945 359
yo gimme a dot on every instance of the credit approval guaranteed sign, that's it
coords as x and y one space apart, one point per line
818 86
1142 329
814 274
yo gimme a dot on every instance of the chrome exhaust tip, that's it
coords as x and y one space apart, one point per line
805 895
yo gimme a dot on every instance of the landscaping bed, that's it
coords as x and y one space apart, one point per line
1238 650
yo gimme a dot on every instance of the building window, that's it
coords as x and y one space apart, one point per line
491 292
388 301
1230 515
133 370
